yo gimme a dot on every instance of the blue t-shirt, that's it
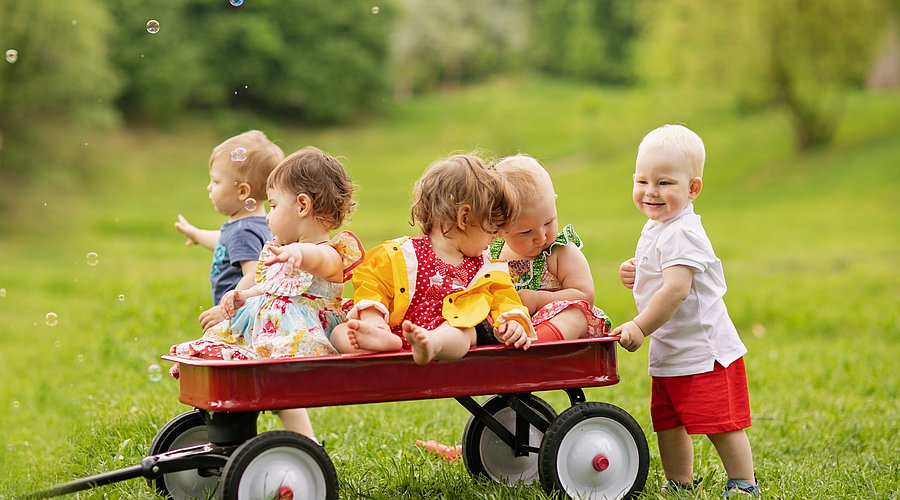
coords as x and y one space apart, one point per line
239 240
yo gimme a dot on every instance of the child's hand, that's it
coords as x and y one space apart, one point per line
291 255
210 317
187 229
512 333
627 271
630 336
231 301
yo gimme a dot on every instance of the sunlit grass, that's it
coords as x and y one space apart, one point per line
810 246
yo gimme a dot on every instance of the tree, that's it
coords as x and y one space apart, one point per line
799 56
61 75
587 39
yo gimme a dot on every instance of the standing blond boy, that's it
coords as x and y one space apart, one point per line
699 383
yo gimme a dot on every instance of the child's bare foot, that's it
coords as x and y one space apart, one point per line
423 351
368 337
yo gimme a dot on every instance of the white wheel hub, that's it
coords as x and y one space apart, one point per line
597 459
281 470
499 460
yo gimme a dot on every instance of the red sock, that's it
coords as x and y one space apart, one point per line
548 331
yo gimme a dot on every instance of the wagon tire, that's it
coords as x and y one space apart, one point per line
279 464
594 451
187 429
487 455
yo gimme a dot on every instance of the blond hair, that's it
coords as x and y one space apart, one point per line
450 183
260 157
526 177
320 176
677 139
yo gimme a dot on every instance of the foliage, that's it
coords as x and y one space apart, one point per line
456 42
586 39
312 60
799 56
62 75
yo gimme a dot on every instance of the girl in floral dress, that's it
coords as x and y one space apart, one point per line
438 294
296 302
548 269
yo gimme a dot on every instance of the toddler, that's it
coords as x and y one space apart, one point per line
238 169
296 301
438 294
699 384
548 269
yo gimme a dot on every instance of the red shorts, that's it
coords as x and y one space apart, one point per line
706 403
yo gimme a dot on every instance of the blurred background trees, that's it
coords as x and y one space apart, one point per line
92 62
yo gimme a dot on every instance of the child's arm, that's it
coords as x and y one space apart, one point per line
319 260
203 237
234 299
216 313
677 282
574 275
512 333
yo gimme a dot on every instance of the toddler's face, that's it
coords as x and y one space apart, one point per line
223 189
662 185
283 216
535 228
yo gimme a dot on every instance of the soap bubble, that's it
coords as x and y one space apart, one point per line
16 404
57 343
250 204
121 297
92 259
80 359
236 3
51 319
153 26
2 292
376 9
239 154
12 55
154 373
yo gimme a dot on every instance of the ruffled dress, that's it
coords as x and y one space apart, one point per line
533 274
293 317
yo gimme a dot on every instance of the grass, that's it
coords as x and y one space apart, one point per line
810 245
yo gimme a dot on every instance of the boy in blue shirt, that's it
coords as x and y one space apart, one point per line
238 169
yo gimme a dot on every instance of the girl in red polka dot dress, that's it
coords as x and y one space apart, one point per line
438 294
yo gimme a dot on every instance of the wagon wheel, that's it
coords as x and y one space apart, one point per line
187 429
594 451
282 465
486 454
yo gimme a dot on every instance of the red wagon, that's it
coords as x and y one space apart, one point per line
590 450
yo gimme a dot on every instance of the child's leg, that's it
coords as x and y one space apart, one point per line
571 323
676 452
734 450
444 342
297 420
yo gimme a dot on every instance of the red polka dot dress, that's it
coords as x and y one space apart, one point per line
435 279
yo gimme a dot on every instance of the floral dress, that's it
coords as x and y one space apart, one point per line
533 274
293 317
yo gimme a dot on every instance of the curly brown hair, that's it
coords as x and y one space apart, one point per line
450 183
320 176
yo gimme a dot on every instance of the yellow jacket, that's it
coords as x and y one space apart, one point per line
386 281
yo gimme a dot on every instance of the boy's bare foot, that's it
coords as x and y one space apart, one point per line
423 351
368 337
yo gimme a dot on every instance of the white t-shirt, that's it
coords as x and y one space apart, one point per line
700 332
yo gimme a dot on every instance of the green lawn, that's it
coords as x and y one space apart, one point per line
810 246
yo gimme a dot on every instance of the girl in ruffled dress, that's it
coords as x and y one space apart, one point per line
300 276
548 269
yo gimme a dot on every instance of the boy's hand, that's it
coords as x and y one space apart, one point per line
186 228
231 301
630 336
512 333
211 317
627 271
291 255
